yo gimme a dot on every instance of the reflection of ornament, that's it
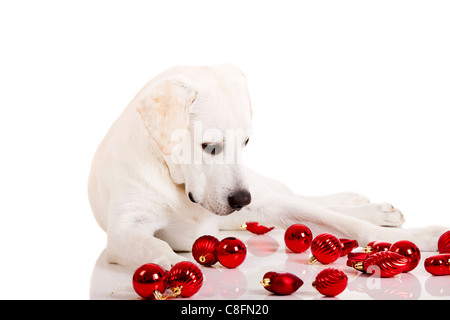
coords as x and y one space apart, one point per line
185 279
330 282
438 265
231 284
204 250
281 283
409 250
298 238
325 248
262 245
256 228
377 246
444 242
385 264
149 281
347 246
437 287
231 252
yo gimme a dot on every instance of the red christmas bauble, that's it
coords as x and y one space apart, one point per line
231 252
281 283
409 250
185 279
149 281
330 282
356 257
347 246
377 246
438 265
298 238
444 241
386 264
204 250
325 248
256 228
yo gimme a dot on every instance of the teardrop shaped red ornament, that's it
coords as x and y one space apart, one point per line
377 246
438 265
385 264
281 283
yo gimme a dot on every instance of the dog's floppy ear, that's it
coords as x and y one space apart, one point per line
164 109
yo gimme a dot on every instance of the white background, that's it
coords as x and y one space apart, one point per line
347 96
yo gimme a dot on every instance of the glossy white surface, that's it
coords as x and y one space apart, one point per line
267 253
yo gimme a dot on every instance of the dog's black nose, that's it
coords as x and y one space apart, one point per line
239 199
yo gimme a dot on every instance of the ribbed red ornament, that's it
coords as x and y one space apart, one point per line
256 228
149 281
330 282
281 283
325 248
386 264
298 238
204 250
347 246
438 265
444 242
377 246
185 279
409 250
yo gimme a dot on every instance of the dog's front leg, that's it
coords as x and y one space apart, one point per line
131 240
285 210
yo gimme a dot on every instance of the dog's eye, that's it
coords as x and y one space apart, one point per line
212 149
246 141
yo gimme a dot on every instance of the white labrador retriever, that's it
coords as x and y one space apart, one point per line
169 171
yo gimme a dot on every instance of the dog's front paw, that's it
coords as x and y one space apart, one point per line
388 216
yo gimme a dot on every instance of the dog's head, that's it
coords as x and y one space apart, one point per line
200 119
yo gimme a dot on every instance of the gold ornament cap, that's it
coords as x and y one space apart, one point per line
312 260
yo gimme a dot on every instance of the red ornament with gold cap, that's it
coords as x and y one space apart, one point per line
325 248
330 282
385 264
377 246
231 252
298 238
256 228
281 283
150 281
409 250
438 265
185 279
204 250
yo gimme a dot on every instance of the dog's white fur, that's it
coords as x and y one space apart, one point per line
139 183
